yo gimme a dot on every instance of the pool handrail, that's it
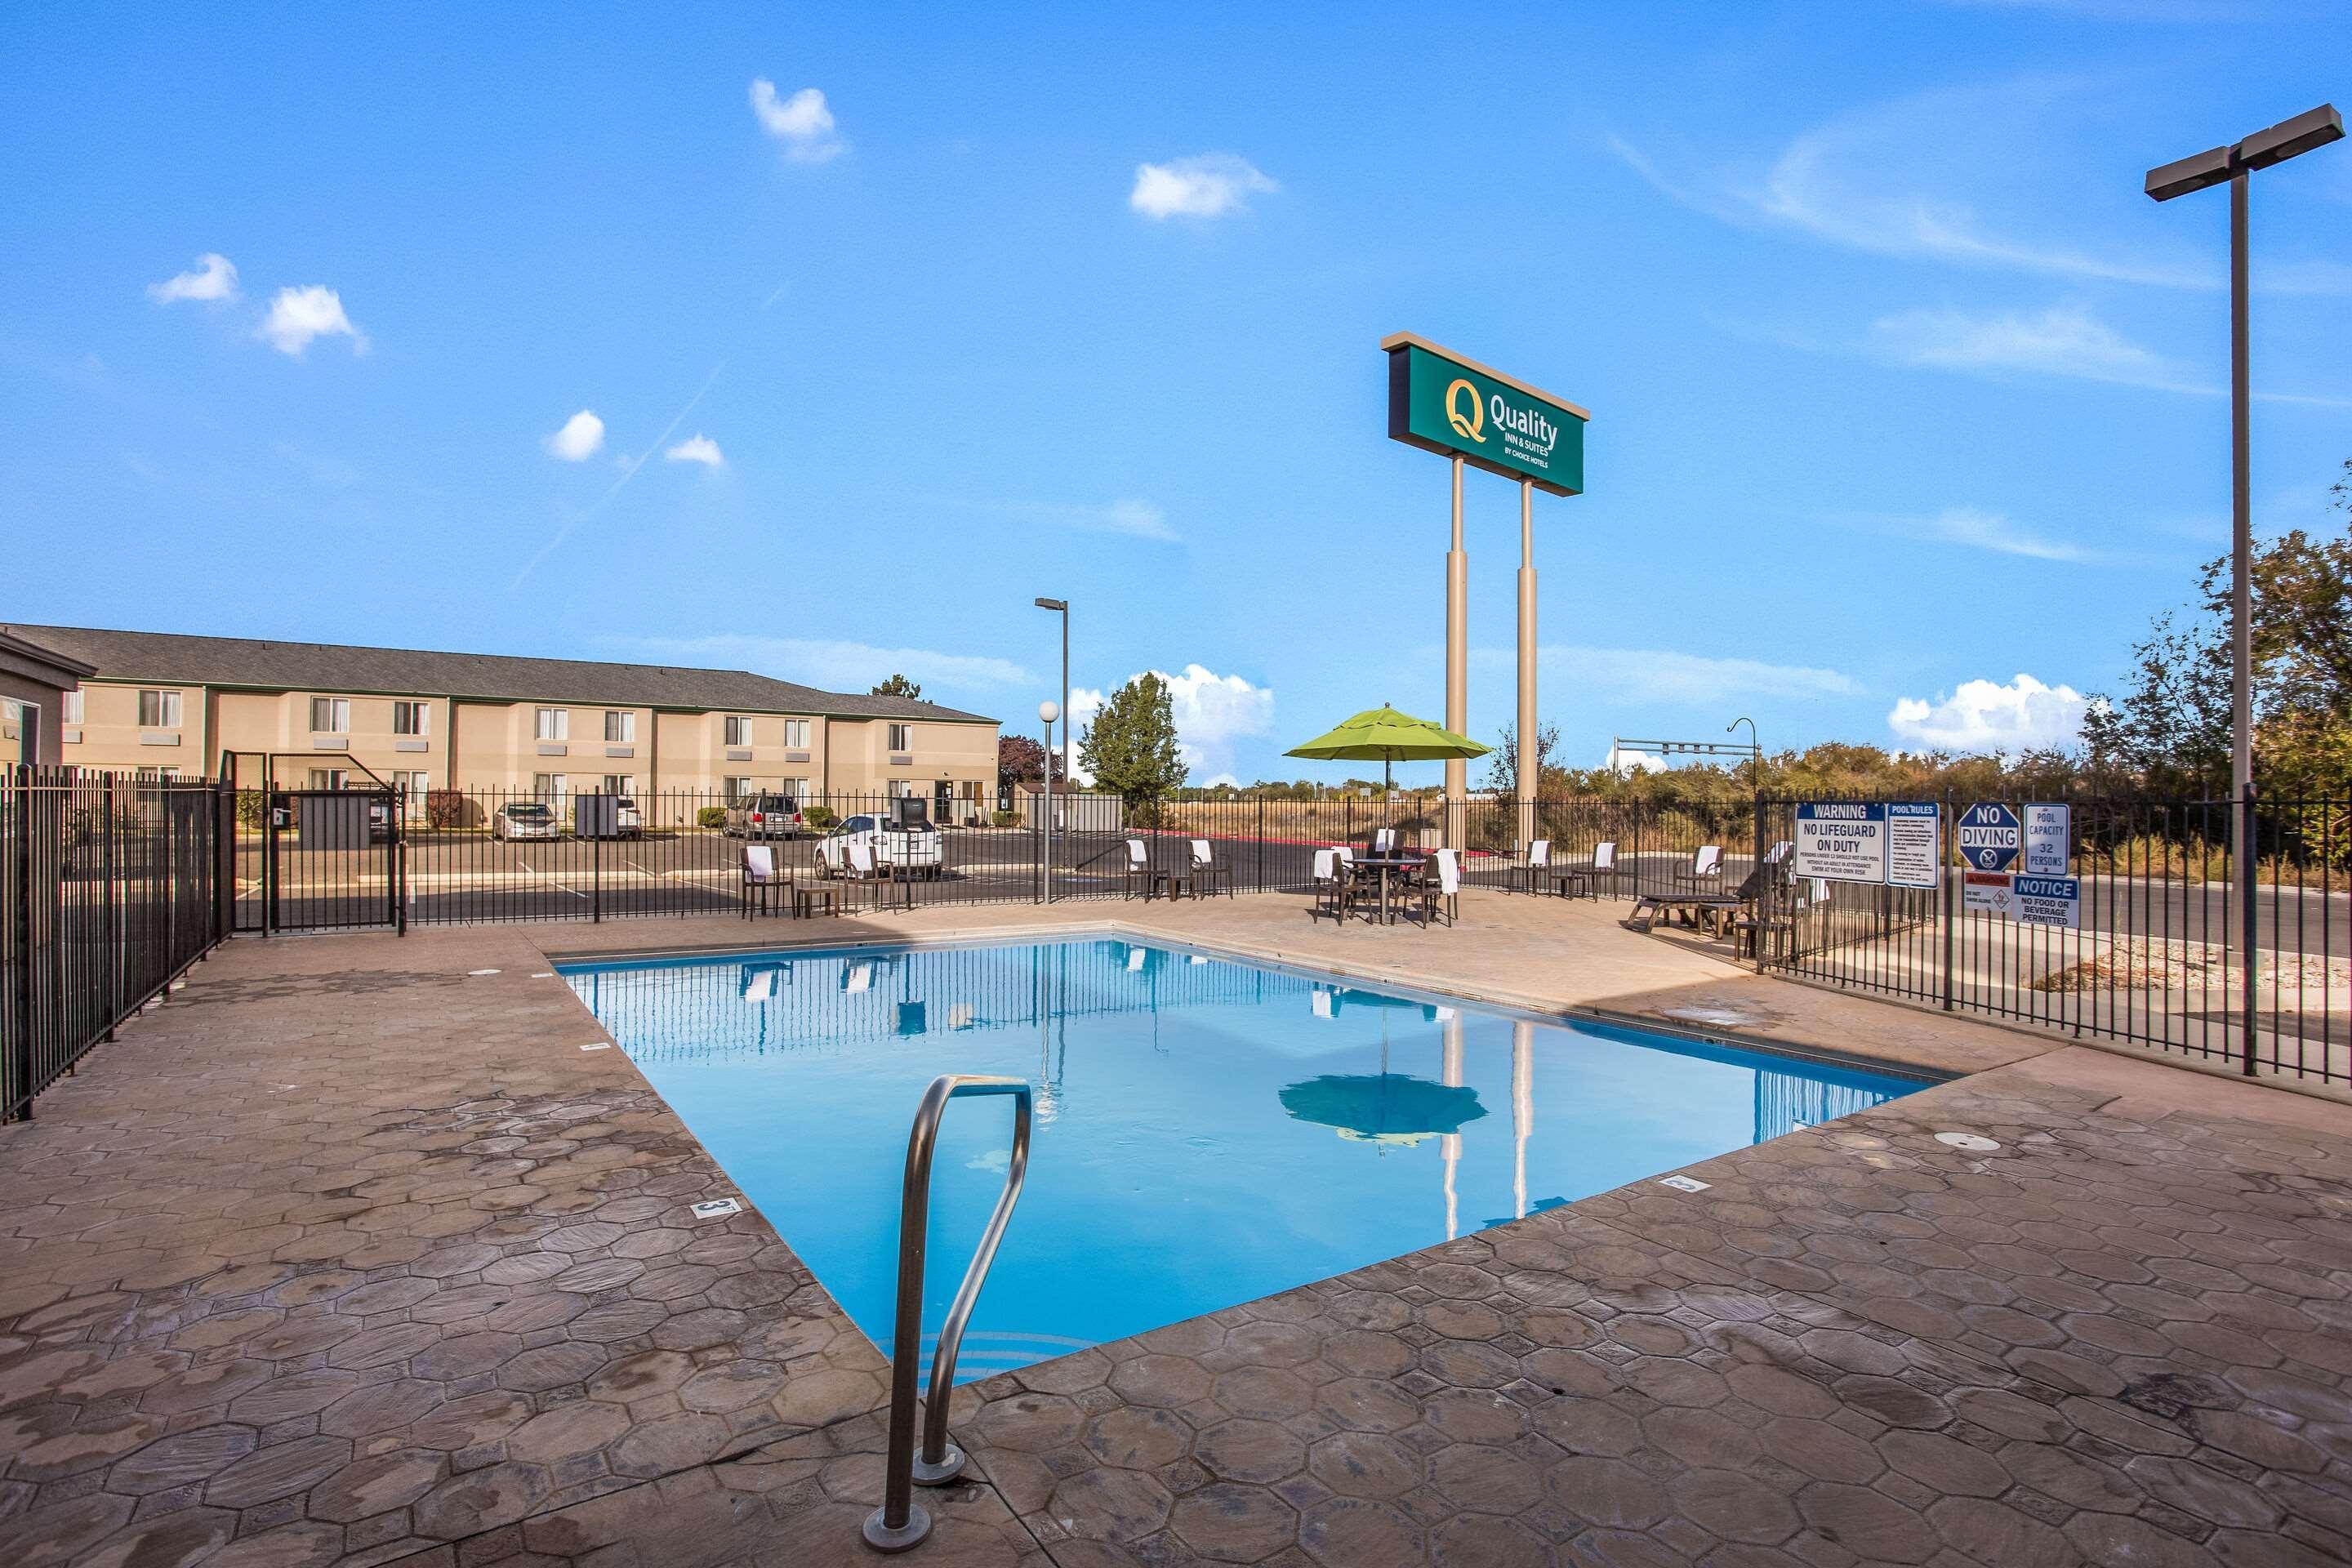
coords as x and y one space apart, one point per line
898 1523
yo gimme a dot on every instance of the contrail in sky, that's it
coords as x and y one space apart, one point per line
626 475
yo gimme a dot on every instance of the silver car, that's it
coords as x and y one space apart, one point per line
526 819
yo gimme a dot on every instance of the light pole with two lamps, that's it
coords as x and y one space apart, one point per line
2235 165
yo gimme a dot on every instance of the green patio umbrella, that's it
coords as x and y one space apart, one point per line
1388 737
1382 1108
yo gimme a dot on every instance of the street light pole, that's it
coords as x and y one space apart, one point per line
1755 746
2236 164
1061 607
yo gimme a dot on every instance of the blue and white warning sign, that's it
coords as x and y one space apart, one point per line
2049 901
1989 837
1842 841
1915 843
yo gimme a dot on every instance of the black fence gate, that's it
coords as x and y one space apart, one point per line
325 856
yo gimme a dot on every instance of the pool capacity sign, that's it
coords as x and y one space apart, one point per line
1442 402
1888 844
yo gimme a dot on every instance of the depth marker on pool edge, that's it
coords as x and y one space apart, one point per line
717 1208
598 1045
1684 1183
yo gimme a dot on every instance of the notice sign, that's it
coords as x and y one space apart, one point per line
1988 893
1915 843
2048 840
2049 901
1842 841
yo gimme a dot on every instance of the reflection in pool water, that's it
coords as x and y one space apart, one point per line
1207 1131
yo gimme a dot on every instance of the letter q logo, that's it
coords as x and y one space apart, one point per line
1465 413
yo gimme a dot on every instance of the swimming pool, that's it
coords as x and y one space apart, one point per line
1207 1131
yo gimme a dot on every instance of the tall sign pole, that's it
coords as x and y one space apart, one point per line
1457 667
1528 766
1478 418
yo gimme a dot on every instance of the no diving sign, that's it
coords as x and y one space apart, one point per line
1989 837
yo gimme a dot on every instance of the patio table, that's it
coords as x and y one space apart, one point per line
1383 866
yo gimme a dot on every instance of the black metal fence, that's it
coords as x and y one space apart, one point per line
111 891
2155 956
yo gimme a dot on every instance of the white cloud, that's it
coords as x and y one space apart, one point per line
299 315
2057 342
1134 518
1207 186
1212 712
840 665
1623 760
802 123
214 278
580 439
697 448
1657 675
1986 716
1992 531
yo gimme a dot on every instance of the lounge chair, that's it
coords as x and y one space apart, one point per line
761 880
1207 874
1442 888
1139 869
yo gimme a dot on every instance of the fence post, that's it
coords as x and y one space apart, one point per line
1944 883
113 977
22 891
596 874
399 877
2248 858
223 859
1258 858
1763 885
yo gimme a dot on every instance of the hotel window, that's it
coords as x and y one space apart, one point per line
620 727
796 735
901 788
621 784
331 715
738 731
902 737
550 788
412 718
736 791
157 775
328 778
69 709
417 791
159 709
798 789
555 723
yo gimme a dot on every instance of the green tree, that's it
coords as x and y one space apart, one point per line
1503 763
898 686
1130 747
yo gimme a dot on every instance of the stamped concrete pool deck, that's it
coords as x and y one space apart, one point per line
349 1253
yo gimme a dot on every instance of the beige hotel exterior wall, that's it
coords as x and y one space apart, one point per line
495 746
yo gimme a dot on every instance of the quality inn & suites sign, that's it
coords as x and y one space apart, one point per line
1442 402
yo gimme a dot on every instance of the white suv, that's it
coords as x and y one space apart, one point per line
920 848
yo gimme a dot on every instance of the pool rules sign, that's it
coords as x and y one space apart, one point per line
1887 844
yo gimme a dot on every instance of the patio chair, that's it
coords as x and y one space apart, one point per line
1704 873
761 880
1585 878
862 865
1386 841
1207 874
1334 886
1442 888
1139 869
1536 865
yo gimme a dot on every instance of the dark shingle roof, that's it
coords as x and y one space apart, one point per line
334 666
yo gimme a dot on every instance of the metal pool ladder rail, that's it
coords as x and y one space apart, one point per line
899 1522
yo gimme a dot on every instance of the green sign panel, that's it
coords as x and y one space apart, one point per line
1462 409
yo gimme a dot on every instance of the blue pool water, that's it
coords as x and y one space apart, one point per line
1207 1131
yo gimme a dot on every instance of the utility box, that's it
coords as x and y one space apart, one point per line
596 816
332 819
911 811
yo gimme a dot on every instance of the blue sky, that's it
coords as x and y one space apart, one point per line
560 334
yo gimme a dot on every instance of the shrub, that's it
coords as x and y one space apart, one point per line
252 808
710 817
444 808
1006 819
819 816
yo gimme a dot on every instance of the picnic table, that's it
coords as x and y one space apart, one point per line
1384 867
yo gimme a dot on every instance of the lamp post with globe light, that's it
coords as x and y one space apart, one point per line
1049 711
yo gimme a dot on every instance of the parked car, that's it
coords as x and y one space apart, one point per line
920 848
526 819
765 817
629 821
